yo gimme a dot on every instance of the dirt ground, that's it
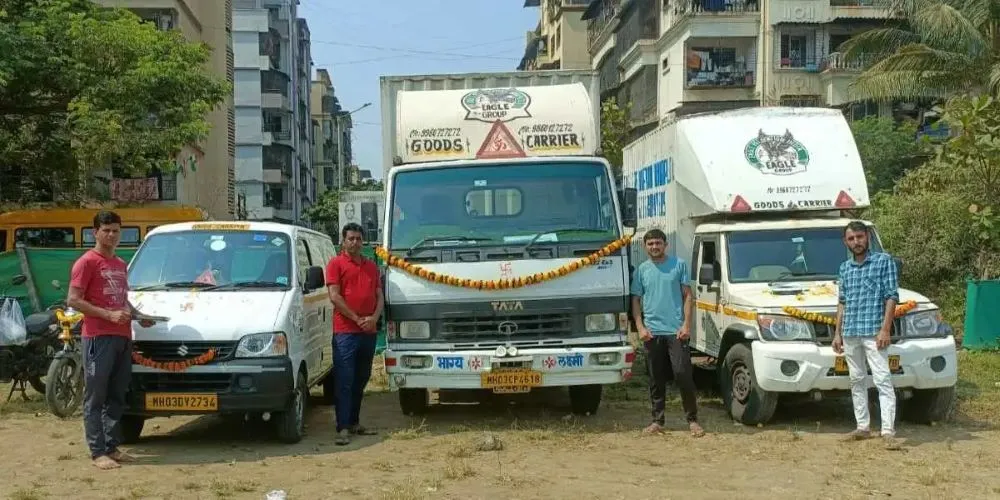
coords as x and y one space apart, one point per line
546 453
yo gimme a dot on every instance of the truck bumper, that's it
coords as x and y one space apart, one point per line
240 386
559 367
923 363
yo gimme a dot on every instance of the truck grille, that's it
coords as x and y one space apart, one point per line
182 382
476 326
171 350
824 333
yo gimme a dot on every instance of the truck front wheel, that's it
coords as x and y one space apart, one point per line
413 401
929 405
585 399
746 401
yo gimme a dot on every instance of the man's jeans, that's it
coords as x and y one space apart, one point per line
107 372
352 364
857 350
666 356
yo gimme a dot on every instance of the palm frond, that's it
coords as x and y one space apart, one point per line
889 85
943 26
994 81
876 43
981 13
921 57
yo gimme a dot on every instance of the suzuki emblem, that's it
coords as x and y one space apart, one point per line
182 350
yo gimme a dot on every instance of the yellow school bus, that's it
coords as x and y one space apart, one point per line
73 227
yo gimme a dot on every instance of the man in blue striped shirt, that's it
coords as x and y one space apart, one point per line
869 291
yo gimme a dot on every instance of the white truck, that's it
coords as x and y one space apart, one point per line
497 194
754 199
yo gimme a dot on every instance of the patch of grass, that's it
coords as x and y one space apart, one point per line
65 456
979 385
27 494
458 469
460 450
225 489
382 465
412 433
933 477
191 486
404 491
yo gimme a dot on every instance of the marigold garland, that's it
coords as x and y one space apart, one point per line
174 366
502 284
795 312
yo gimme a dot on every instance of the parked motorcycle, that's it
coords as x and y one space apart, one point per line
64 388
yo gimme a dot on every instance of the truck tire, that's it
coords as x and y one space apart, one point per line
929 405
131 426
413 401
746 402
290 424
585 399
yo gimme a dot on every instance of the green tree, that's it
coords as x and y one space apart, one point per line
943 48
615 128
887 150
83 88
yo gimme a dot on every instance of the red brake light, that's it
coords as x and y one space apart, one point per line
844 201
740 205
390 362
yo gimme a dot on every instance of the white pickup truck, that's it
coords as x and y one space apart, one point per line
754 199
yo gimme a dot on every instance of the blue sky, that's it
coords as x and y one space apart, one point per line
359 41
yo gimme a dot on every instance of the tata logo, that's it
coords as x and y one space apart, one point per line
507 328
507 305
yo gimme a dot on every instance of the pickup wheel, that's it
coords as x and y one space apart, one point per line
291 423
131 427
929 405
413 401
746 402
585 399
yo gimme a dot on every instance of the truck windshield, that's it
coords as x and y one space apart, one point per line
476 205
225 260
789 254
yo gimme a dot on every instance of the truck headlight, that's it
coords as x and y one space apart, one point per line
777 327
262 345
922 323
414 330
600 322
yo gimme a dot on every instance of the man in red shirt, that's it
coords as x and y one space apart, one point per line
355 289
98 288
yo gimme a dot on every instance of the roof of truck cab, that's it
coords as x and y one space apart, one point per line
499 161
289 229
722 227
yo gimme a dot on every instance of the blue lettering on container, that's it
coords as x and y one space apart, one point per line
653 177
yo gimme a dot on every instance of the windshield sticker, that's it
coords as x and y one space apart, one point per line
496 105
217 245
260 237
778 154
798 239
277 241
216 237
479 183
281 280
230 226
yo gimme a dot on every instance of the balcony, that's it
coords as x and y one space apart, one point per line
278 157
717 8
862 9
640 20
269 45
274 82
601 16
711 66
641 91
836 75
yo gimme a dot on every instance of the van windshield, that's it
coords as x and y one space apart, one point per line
223 260
475 205
789 254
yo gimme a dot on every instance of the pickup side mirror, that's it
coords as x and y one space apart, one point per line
628 199
315 278
706 274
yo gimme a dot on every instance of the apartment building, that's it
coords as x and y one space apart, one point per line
332 130
275 178
675 58
204 174
559 40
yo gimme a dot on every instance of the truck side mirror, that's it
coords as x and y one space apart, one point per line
706 274
628 199
314 278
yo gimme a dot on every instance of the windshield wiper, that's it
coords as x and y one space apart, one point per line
175 284
429 239
250 284
789 274
563 230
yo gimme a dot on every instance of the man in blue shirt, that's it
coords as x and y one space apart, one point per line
662 306
869 291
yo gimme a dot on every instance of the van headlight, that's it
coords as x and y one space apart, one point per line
922 323
414 330
777 327
600 322
262 345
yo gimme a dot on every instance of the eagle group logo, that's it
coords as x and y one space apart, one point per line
493 105
778 154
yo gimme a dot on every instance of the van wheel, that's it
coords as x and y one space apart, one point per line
291 423
585 399
330 389
746 402
131 427
413 401
929 405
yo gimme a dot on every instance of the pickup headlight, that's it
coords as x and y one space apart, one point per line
922 323
778 327
262 345
600 322
414 330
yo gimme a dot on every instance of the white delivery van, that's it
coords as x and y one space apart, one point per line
253 294
753 198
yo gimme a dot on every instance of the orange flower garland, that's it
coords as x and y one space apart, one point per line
901 310
173 366
502 284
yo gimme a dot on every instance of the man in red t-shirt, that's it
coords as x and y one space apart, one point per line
98 288
355 289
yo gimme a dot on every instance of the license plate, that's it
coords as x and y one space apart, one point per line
840 365
182 402
511 381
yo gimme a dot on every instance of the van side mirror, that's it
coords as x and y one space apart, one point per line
628 200
706 274
315 278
